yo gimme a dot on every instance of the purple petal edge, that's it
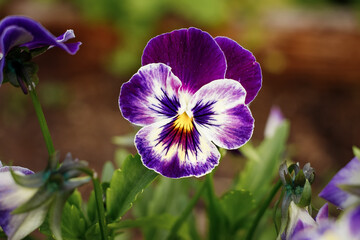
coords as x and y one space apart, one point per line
333 194
241 66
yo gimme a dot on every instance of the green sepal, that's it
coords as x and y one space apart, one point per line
305 198
351 188
300 179
125 185
38 51
41 197
35 180
55 212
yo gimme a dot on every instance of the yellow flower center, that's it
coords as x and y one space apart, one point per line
184 122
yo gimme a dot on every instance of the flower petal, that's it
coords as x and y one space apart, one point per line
241 66
323 214
220 113
274 121
12 196
347 175
150 95
176 151
193 55
41 36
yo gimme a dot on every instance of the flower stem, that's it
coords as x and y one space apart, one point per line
100 208
262 210
179 222
43 125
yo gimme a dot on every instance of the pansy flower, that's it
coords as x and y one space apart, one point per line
22 38
344 188
345 227
27 197
13 195
190 95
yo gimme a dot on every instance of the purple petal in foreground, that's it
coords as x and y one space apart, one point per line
241 66
220 114
347 175
194 56
176 150
150 95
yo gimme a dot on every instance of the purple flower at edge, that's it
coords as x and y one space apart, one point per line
191 94
348 175
18 31
12 196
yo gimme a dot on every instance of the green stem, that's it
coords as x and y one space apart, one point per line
42 122
262 210
184 215
214 216
100 208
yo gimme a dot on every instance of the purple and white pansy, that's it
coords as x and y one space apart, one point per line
190 95
19 31
12 195
348 176
346 227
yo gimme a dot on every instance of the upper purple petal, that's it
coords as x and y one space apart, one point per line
194 56
241 66
347 175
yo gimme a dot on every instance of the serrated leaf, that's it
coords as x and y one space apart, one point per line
93 232
120 155
91 208
237 205
125 185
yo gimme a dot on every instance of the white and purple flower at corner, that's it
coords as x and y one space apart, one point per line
190 95
346 227
348 175
19 31
17 226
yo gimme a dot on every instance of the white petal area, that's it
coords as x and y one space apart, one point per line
297 214
173 153
13 195
220 113
25 223
150 95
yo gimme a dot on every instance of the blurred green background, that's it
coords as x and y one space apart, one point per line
309 52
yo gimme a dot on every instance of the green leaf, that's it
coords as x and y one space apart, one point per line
93 232
236 205
356 151
164 221
91 208
107 172
125 185
263 163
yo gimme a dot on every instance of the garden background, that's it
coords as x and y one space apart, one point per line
309 52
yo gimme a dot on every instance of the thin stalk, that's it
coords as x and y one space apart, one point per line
215 219
262 210
100 208
42 121
184 215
